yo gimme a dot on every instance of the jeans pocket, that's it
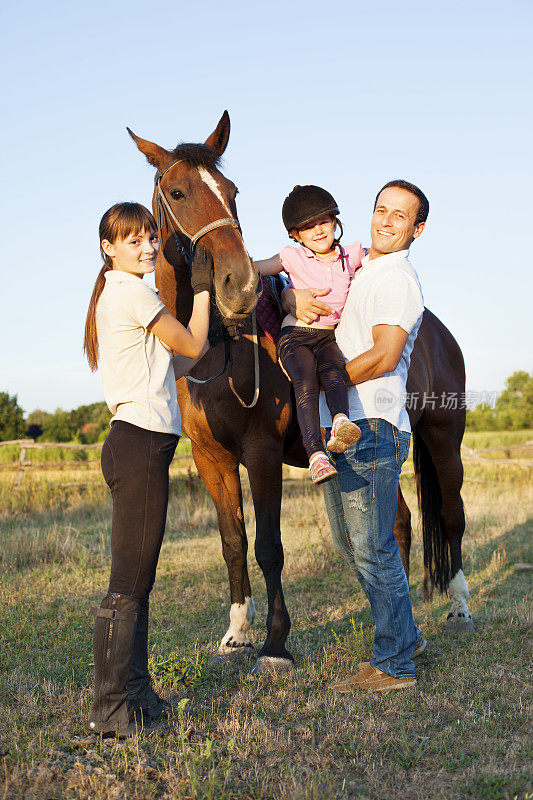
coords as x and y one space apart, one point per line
107 462
169 446
402 440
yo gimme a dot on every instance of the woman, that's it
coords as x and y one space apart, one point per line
131 336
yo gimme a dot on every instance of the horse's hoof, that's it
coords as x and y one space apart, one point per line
272 664
455 624
231 655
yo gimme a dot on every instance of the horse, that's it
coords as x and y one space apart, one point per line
190 194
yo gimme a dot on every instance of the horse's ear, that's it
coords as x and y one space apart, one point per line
219 138
156 155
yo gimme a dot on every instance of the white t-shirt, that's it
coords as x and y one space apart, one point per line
384 291
136 366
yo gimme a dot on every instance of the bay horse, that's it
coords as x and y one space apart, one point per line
225 430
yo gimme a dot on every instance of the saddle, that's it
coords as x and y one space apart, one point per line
269 311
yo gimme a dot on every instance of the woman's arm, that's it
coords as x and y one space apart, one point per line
269 266
183 365
188 341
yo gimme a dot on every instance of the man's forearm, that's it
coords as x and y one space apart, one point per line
369 365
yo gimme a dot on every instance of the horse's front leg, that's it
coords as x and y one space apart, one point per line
220 473
264 464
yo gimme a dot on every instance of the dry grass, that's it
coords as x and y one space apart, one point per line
462 733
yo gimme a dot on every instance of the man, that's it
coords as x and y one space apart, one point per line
376 334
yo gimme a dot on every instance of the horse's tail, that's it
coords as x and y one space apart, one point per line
436 551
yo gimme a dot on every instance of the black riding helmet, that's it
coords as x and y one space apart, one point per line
306 203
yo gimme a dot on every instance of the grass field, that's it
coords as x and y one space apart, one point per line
463 732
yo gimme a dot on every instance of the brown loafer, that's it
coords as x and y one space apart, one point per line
420 648
371 679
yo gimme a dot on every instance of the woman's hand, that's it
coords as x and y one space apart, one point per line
304 303
202 271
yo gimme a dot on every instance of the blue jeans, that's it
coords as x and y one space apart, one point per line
361 505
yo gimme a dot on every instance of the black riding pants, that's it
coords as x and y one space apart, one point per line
135 464
312 359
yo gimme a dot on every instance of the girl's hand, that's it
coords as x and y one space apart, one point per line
202 271
304 303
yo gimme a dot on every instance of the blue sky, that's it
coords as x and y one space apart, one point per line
346 96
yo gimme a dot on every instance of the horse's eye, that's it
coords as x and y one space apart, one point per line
176 194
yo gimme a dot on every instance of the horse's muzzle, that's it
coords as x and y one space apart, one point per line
236 297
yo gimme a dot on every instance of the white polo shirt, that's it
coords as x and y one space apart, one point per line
136 366
384 291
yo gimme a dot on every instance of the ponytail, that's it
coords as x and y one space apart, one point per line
90 341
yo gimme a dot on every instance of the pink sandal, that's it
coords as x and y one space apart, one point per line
343 434
322 469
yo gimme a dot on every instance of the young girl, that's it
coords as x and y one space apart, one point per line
309 353
131 335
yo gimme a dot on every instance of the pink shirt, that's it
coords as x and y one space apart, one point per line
306 271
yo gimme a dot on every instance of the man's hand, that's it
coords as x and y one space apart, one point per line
304 303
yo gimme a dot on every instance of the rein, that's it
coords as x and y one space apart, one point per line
164 213
228 365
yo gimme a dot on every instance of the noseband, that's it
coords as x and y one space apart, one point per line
164 213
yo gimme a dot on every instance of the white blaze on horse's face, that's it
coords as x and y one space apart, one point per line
215 188
212 183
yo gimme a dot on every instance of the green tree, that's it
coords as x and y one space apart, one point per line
11 418
58 427
34 423
513 409
91 422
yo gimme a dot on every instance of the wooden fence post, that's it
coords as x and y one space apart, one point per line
20 473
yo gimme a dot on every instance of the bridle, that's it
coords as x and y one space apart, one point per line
165 214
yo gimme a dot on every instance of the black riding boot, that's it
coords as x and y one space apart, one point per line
140 692
114 633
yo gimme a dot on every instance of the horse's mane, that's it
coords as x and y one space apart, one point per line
197 155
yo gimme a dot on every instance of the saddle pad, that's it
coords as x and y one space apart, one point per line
268 311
